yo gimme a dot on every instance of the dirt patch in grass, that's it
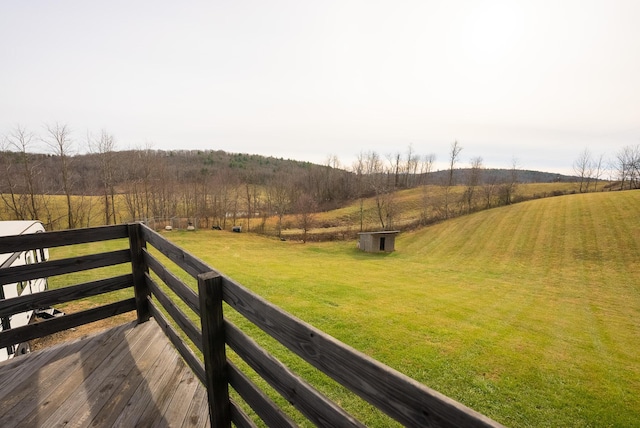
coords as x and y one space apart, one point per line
80 331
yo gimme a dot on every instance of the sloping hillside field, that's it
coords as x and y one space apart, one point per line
529 314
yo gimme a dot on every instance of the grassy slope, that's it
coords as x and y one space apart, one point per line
529 313
408 207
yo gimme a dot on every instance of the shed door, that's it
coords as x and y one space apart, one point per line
382 239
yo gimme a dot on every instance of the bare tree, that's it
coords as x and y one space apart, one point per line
224 196
635 167
131 194
104 145
8 191
426 167
507 188
330 189
157 185
395 168
627 164
148 185
27 199
489 190
234 203
598 170
203 207
379 183
59 141
250 199
411 167
473 179
187 199
23 143
582 168
305 214
454 155
280 197
425 170
358 169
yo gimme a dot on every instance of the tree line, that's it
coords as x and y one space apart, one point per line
223 189
623 169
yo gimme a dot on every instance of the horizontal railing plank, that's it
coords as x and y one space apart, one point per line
187 294
265 408
54 297
18 243
178 316
311 403
187 354
65 322
401 397
63 266
191 264
240 418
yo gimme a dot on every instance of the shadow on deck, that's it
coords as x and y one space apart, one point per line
125 376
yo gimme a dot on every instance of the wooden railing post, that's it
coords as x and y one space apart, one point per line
213 348
139 269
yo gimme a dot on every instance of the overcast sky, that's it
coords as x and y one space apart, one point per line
537 81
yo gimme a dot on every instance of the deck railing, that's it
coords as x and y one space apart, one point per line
159 292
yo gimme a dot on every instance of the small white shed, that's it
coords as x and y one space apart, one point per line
376 242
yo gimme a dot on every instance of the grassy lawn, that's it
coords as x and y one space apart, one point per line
529 314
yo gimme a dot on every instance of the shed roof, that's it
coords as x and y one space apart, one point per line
381 232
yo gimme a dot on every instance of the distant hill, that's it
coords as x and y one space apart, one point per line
330 186
498 175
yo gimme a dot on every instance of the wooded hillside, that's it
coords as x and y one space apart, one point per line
216 188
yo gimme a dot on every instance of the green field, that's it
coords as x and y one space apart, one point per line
529 313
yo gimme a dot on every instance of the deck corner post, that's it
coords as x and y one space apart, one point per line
139 270
213 348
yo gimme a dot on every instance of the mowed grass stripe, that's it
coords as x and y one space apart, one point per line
551 254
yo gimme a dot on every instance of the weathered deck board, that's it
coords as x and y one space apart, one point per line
198 413
74 404
129 375
128 384
177 408
53 365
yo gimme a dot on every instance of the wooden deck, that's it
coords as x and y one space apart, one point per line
127 376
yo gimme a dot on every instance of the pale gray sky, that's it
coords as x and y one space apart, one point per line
535 80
